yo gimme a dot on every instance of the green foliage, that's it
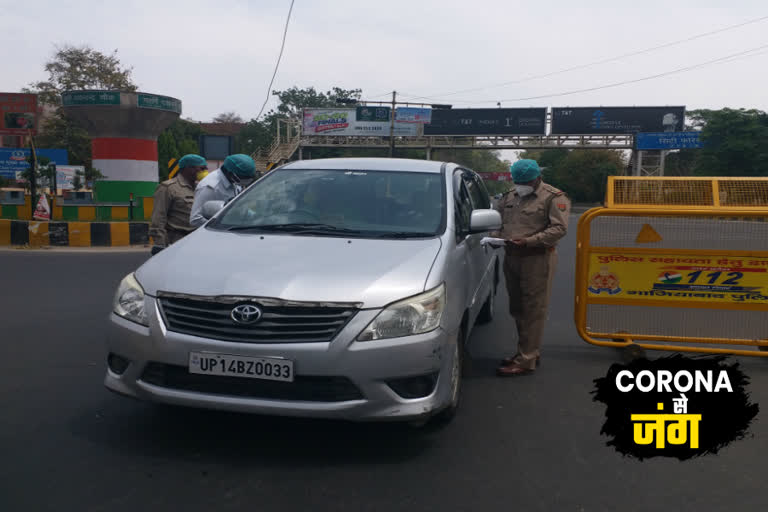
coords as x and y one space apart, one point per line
43 172
294 99
253 136
179 139
583 174
735 143
228 117
166 149
76 68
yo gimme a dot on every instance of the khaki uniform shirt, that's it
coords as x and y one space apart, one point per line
540 218
170 213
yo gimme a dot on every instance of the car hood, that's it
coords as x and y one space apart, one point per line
291 267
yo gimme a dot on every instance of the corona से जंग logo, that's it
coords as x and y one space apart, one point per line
604 281
674 406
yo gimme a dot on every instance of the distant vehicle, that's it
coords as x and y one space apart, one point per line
339 288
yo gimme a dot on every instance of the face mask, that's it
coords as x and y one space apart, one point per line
524 190
200 175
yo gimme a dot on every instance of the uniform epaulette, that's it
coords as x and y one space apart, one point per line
553 190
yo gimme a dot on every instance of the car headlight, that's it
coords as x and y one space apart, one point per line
414 315
129 301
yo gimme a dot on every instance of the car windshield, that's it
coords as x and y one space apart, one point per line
341 202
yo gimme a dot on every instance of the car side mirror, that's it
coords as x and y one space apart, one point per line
484 220
211 208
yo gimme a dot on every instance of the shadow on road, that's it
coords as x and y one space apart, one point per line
137 428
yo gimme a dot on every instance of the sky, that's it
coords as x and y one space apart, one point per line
218 56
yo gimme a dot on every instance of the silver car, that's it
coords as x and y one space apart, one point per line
338 288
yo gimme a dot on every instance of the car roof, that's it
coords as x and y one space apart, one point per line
370 164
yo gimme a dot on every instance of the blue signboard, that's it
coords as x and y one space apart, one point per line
14 160
667 140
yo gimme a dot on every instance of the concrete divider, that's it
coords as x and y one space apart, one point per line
73 234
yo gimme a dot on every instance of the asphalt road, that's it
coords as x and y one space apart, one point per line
529 443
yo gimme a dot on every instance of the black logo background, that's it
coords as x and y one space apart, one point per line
725 416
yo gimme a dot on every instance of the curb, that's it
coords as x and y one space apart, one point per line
73 234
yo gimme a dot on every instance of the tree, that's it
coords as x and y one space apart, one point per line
293 100
228 117
735 143
76 68
166 149
583 173
177 140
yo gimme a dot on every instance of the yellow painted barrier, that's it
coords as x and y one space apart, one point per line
5 232
38 233
120 213
681 275
80 234
149 203
87 213
120 233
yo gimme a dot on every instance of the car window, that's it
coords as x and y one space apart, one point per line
476 190
371 202
463 209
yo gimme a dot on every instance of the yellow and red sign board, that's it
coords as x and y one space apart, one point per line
18 113
677 280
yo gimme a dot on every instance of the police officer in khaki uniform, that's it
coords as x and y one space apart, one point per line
173 203
534 218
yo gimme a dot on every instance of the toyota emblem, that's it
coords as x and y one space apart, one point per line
246 314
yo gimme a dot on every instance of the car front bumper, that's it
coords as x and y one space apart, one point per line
354 379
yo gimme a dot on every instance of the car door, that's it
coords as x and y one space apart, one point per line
465 243
482 257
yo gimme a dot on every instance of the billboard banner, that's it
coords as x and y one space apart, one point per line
616 120
18 114
13 161
65 176
413 115
344 122
668 140
378 114
487 121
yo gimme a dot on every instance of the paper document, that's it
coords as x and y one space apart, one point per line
493 242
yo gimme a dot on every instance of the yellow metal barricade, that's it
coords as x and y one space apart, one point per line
676 264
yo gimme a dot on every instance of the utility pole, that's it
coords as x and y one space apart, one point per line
33 178
392 126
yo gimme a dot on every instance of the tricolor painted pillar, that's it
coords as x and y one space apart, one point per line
124 127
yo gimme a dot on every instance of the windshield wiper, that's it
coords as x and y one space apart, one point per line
296 227
404 234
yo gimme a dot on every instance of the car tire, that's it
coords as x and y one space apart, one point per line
487 312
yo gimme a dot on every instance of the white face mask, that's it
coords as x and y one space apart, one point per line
524 190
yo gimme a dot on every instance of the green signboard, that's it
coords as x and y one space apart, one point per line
86 98
159 102
380 114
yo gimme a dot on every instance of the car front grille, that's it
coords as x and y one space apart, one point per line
281 321
303 388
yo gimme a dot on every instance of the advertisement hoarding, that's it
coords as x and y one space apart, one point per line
413 115
487 121
13 161
344 122
65 176
668 140
18 114
616 120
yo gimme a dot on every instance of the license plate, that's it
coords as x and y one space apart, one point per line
268 368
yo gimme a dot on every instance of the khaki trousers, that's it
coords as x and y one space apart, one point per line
528 275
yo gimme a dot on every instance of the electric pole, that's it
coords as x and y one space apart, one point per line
392 126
